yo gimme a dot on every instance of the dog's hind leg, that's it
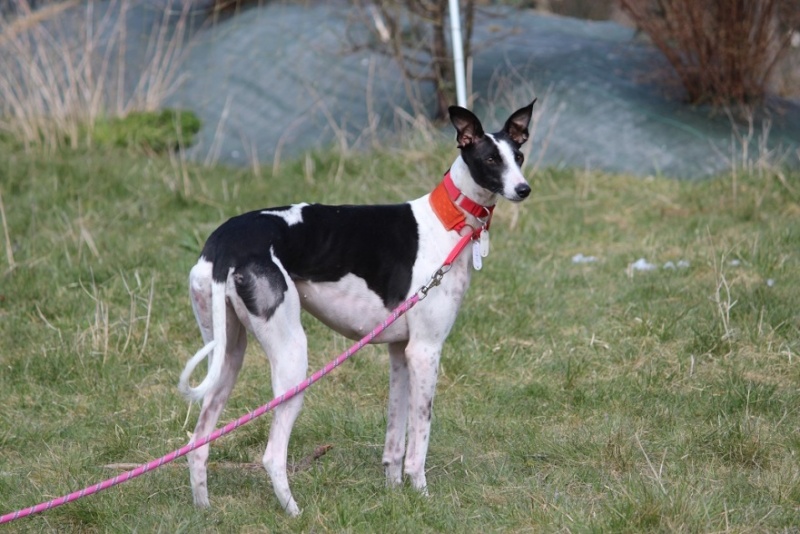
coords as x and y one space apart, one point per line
282 337
213 403
397 415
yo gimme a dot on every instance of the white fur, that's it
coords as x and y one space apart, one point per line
293 215
195 394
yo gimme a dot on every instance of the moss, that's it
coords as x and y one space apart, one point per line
157 131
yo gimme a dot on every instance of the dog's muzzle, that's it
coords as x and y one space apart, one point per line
522 191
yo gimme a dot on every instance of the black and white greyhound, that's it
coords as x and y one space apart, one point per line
349 266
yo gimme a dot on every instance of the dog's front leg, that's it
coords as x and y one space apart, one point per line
397 415
423 368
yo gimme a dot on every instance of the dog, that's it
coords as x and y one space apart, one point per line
348 266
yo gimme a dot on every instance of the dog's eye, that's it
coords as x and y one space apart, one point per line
490 160
519 159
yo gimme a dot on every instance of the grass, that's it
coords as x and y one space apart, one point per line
572 397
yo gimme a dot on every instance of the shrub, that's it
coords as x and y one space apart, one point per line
723 51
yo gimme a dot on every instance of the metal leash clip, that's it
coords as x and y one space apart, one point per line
435 280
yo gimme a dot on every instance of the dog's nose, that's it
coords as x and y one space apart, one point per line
522 190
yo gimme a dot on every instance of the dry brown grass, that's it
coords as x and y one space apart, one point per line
63 67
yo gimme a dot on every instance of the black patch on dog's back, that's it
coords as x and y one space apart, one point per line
376 243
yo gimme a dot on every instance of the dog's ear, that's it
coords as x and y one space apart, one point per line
517 124
467 125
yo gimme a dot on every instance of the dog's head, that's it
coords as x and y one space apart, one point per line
494 160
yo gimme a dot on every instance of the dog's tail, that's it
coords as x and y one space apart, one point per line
216 345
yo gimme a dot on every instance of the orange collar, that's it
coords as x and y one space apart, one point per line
446 199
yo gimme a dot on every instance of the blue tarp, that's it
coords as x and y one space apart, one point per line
283 78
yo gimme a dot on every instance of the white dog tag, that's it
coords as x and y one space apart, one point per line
484 241
477 261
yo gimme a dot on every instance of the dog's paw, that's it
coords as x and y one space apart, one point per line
394 474
418 482
424 491
292 509
201 501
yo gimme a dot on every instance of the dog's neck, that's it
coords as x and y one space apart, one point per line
457 209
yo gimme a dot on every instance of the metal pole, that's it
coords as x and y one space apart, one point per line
458 53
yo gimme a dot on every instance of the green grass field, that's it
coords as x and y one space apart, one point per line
573 397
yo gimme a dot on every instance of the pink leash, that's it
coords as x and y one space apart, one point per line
230 427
